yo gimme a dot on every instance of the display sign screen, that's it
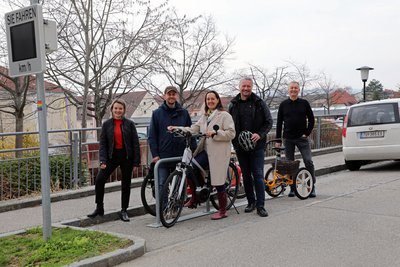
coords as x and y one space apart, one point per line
23 41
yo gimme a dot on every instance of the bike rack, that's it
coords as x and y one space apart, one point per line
183 218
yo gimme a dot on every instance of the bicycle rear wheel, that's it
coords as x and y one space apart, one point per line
303 183
147 194
272 190
231 187
172 199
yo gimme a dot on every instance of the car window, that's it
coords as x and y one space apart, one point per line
372 114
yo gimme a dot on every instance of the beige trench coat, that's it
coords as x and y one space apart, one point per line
219 147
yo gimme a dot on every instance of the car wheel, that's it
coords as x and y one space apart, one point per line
353 165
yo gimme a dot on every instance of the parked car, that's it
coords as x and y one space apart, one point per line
371 132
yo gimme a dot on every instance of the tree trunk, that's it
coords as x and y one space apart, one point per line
19 139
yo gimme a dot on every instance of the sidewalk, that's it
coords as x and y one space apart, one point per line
71 208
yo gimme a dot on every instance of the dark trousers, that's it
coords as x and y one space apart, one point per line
303 144
252 166
119 159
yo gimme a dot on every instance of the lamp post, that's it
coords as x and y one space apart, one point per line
364 77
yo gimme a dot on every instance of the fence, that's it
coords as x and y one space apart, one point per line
74 163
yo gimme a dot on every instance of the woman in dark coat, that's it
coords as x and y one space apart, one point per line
119 146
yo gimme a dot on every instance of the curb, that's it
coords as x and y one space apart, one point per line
112 258
16 204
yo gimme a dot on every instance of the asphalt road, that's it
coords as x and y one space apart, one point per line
354 221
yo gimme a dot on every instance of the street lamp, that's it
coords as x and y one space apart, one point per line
364 76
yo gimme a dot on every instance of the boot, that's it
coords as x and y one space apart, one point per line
98 211
191 204
222 200
312 194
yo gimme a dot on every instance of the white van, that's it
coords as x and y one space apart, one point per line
371 131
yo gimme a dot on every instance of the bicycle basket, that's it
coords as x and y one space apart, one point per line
285 166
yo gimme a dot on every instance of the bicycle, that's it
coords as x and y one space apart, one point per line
147 191
174 192
238 178
285 173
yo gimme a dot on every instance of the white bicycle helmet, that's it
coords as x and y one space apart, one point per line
245 141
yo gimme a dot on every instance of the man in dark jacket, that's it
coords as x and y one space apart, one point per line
162 143
298 119
252 123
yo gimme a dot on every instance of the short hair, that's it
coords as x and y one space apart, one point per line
119 101
296 82
246 79
219 105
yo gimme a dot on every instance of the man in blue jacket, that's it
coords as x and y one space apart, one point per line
162 143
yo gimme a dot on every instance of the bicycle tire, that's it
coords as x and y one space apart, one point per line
171 208
241 193
303 183
275 191
147 194
231 188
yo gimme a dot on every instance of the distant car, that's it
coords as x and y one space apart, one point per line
371 132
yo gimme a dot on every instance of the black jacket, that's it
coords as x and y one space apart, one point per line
129 137
260 116
297 118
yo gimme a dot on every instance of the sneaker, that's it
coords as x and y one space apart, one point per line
291 193
261 211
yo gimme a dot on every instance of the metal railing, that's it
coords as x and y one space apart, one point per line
74 163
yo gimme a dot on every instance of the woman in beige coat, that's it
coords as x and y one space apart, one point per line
216 148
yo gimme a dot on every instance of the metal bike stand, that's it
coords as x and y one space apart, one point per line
157 195
161 161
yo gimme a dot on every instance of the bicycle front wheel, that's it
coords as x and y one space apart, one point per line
272 187
303 183
231 187
147 194
172 198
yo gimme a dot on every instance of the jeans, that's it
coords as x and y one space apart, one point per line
164 170
252 166
303 145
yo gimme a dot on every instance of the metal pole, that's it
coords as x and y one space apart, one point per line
75 158
157 195
364 89
44 156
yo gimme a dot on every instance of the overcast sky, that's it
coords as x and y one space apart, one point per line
335 36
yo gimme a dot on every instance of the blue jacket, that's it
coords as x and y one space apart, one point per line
162 143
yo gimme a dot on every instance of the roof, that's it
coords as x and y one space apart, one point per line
49 86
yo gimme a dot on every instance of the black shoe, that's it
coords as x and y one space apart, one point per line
262 212
250 207
291 193
313 193
123 215
97 211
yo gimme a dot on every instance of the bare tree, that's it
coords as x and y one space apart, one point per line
302 74
105 49
269 86
194 60
13 100
327 86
